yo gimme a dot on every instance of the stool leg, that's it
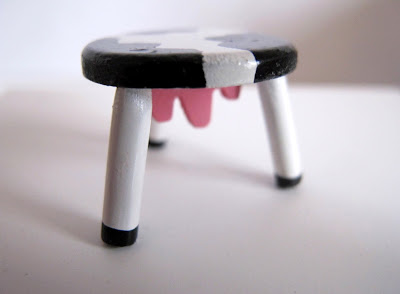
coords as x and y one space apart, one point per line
127 152
282 135
158 134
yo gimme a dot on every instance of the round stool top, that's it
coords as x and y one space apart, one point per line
187 59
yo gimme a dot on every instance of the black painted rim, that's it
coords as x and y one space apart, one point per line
286 182
156 144
118 238
107 62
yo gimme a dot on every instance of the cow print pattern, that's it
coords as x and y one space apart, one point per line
187 59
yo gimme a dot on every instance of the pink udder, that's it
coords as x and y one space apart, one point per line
196 103
231 92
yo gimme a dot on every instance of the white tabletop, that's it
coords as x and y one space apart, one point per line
212 220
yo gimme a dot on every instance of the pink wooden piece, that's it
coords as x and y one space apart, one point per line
196 103
163 101
231 92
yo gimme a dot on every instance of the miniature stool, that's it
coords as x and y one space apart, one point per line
150 70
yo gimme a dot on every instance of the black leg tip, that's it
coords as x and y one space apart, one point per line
156 144
119 238
287 183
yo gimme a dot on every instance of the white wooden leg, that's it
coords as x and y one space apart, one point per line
281 130
127 152
158 133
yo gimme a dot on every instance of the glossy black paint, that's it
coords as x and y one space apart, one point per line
142 65
146 65
156 144
287 183
119 238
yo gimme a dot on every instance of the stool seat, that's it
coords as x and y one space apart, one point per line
187 59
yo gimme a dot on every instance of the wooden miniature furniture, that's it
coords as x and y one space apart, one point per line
153 68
